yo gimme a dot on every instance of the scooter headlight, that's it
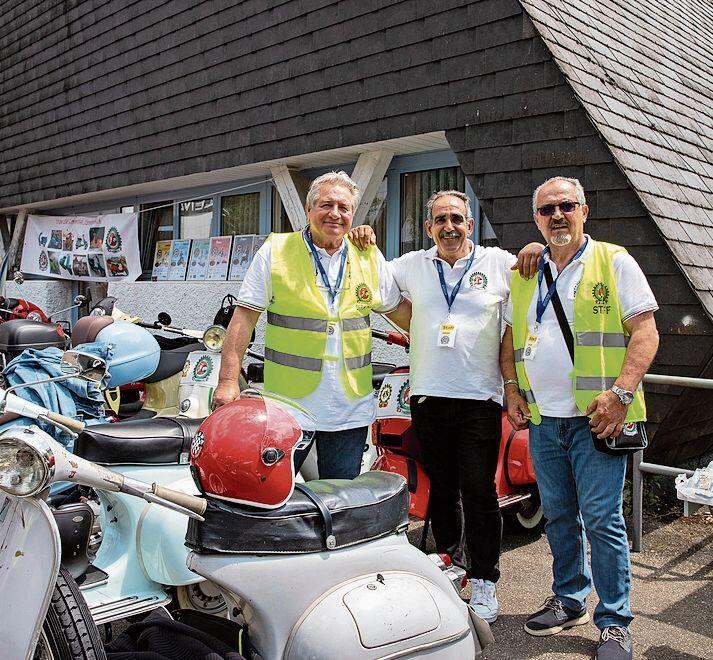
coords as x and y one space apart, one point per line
34 316
214 337
23 470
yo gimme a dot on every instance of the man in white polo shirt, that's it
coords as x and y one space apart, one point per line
457 291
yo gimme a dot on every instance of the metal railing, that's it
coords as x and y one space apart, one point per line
640 467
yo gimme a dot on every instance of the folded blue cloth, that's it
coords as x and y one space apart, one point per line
72 397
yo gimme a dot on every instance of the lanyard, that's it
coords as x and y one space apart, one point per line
332 291
542 304
456 288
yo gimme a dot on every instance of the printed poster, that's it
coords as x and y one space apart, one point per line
179 259
219 257
198 263
257 243
161 261
100 249
241 257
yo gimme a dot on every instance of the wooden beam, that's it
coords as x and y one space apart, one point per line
17 235
368 174
290 196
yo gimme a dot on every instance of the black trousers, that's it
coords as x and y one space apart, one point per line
460 440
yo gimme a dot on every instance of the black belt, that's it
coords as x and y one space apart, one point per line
329 538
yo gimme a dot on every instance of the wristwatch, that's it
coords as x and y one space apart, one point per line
625 396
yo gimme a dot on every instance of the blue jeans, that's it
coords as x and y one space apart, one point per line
581 490
339 453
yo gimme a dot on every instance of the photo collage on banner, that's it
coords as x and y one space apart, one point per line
100 249
214 259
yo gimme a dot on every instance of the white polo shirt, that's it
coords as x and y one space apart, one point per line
329 403
549 372
470 370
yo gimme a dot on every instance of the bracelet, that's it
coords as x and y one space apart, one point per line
511 381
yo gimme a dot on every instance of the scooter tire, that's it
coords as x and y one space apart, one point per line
69 632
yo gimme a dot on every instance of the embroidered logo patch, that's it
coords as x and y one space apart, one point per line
601 293
203 368
363 294
197 444
478 280
385 395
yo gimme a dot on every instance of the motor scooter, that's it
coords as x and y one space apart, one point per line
399 451
356 590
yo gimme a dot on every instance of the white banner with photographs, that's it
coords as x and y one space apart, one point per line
100 249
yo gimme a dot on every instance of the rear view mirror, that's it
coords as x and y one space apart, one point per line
164 318
84 365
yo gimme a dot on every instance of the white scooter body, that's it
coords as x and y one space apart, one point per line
198 380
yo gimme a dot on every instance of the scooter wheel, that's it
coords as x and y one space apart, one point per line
69 632
529 517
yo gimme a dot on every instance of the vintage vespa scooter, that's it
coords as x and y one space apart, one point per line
321 572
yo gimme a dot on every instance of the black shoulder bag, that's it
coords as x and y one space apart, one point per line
633 436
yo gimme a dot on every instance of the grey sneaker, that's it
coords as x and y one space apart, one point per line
554 617
615 644
483 599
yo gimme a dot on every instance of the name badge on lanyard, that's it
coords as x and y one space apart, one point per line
531 342
447 329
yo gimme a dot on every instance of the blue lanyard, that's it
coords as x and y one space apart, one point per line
332 291
456 288
542 304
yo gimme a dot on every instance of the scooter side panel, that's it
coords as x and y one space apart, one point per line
29 563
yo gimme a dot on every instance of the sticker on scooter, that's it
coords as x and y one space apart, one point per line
197 444
629 428
203 368
402 404
385 395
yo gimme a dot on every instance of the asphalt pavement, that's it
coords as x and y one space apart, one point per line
672 595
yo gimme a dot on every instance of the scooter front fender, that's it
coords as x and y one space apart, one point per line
29 563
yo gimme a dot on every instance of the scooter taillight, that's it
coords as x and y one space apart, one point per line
455 574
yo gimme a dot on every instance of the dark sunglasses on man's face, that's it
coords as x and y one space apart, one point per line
549 209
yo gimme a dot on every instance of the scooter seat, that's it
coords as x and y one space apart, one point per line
172 358
373 505
378 371
155 441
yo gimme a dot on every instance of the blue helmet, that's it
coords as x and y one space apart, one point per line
134 353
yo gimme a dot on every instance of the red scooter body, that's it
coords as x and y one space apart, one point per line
399 451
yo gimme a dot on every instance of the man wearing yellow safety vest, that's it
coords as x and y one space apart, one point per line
318 291
606 306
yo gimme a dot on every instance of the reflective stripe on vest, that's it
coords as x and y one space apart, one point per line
358 323
296 322
600 340
358 362
295 361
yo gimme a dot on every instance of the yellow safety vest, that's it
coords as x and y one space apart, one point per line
298 319
600 338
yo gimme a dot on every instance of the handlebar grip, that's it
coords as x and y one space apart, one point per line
70 423
191 502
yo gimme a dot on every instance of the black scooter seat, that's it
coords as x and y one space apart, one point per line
155 441
174 352
373 505
378 371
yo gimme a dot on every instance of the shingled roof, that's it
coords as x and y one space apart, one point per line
643 71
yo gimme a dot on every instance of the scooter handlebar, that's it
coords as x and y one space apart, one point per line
73 424
391 337
191 502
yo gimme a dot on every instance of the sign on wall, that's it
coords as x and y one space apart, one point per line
100 249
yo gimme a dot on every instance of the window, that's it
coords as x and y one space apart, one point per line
416 188
240 214
195 218
155 224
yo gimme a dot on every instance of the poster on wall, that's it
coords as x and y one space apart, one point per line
219 257
257 243
241 257
179 259
161 261
100 249
198 263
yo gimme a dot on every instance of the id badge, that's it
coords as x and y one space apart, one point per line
531 345
447 334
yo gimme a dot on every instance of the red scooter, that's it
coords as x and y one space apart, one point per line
399 451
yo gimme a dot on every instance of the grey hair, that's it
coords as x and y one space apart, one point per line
578 190
447 193
340 178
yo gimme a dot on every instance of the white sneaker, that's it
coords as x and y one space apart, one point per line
483 599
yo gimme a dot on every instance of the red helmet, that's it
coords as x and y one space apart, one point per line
244 452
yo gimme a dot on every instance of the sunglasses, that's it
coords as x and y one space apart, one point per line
548 210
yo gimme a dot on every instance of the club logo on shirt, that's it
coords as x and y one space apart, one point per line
478 281
363 294
203 368
403 403
600 292
385 395
629 428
